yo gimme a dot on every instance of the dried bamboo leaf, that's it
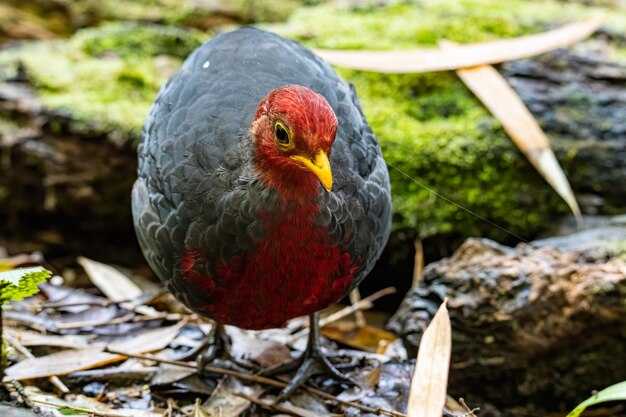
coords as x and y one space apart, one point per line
427 396
68 361
504 103
431 59
60 363
115 285
30 338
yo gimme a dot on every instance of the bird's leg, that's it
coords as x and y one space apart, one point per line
312 362
217 346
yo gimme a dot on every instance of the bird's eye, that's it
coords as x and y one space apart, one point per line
282 134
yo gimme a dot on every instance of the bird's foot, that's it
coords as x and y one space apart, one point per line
217 345
311 363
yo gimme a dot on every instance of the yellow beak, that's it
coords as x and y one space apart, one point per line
320 166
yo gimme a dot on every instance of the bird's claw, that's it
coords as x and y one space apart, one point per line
315 363
311 363
216 345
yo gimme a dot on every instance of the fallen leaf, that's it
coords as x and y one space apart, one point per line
224 401
248 345
115 285
67 361
504 103
92 316
430 59
148 341
60 363
368 338
83 402
29 338
309 402
168 374
427 396
57 294
298 411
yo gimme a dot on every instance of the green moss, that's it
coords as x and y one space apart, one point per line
129 39
405 25
105 77
436 136
443 140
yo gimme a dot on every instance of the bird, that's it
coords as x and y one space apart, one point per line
261 193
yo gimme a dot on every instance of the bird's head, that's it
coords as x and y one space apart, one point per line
293 132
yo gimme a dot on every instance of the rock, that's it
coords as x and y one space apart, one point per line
579 99
604 233
541 324
48 19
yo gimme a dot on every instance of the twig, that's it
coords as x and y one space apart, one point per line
260 379
211 369
20 348
418 267
364 304
361 305
470 411
81 409
330 397
359 317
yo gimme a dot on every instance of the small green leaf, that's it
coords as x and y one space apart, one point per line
22 282
615 392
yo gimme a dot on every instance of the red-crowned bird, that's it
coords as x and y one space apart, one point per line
262 193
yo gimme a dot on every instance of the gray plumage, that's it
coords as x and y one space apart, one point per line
196 188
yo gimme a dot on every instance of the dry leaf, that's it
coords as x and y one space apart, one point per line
168 374
502 101
29 338
60 363
247 345
427 396
368 338
430 59
224 401
67 361
115 285
83 402
148 341
298 411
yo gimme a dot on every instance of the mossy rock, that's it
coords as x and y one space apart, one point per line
105 77
43 19
440 142
436 137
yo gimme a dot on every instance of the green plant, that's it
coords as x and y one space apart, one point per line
16 284
615 392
